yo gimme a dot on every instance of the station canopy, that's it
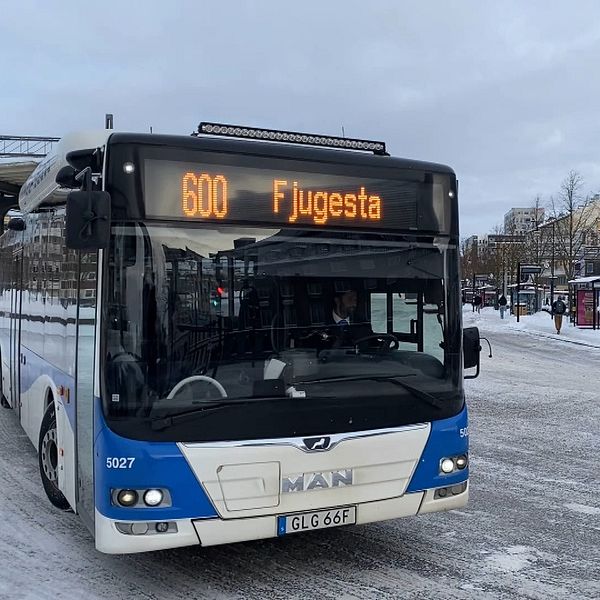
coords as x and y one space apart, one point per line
13 175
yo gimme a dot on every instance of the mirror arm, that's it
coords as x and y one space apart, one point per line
473 376
85 177
489 346
478 363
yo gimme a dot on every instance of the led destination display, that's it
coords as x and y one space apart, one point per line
221 193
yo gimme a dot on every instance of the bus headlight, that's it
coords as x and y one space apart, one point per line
461 462
153 497
127 497
447 465
454 463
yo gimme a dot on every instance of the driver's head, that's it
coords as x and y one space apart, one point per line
345 303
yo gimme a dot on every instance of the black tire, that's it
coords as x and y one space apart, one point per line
3 401
48 459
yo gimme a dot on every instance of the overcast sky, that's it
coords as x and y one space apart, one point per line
507 93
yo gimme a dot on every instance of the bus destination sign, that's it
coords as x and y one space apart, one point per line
218 193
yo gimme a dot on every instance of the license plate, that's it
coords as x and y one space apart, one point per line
321 519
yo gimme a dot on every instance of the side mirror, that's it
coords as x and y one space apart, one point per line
471 350
66 178
88 220
16 224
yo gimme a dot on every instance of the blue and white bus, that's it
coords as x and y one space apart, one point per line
236 335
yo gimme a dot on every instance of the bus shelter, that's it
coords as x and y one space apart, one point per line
586 294
487 293
529 301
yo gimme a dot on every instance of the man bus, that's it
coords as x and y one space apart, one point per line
167 340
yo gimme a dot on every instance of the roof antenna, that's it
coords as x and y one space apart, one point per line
343 132
150 128
108 121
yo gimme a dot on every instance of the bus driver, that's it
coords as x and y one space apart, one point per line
343 322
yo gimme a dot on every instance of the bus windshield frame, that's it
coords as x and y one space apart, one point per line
353 388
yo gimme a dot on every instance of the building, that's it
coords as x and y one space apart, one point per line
556 246
496 241
471 244
519 220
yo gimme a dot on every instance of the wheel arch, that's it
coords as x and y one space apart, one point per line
49 399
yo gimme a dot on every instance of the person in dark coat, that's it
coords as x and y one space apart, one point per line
559 308
502 305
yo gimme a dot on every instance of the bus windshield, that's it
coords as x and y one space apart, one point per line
216 333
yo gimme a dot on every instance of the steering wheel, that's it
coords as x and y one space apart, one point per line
387 341
193 378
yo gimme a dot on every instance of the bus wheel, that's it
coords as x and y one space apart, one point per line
48 459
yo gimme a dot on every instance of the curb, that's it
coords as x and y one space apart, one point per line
554 337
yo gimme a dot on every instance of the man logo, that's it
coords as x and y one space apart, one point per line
318 443
305 482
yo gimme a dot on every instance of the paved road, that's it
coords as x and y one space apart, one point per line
532 529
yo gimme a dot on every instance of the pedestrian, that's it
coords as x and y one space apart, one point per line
558 310
502 304
477 303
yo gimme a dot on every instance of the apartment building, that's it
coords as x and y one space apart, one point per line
517 221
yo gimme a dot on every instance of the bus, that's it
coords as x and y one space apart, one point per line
236 335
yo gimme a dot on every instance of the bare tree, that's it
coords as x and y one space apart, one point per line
573 220
537 241
513 252
469 259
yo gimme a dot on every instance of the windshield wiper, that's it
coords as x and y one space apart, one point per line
161 422
394 379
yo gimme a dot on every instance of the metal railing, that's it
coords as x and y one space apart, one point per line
12 146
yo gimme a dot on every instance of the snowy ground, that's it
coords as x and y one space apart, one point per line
532 529
540 324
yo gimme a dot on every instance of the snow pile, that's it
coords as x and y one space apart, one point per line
540 324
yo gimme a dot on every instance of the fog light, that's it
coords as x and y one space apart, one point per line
140 528
153 497
442 492
162 527
127 497
124 527
461 462
458 489
447 465
128 168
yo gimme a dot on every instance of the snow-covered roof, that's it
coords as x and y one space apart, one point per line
589 279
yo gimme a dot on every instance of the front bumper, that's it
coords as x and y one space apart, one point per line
211 532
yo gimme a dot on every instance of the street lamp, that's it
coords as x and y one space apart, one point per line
595 289
518 291
552 278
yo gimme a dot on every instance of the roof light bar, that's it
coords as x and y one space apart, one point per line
290 137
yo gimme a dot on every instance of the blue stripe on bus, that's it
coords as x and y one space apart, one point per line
36 366
155 465
445 440
162 465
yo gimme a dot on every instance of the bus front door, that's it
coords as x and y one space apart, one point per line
15 333
85 397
